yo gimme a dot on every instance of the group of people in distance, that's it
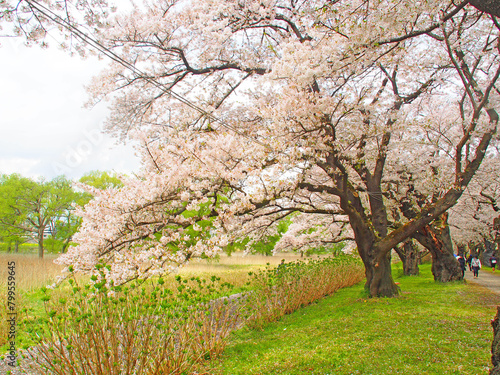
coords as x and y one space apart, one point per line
475 264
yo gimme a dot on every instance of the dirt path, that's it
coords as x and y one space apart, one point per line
22 367
487 279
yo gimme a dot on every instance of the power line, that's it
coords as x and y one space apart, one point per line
113 56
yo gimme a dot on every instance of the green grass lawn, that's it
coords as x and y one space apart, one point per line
430 329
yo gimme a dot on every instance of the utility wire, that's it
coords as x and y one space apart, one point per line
113 56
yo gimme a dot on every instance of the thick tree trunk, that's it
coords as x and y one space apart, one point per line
410 257
489 250
436 238
40 249
488 6
379 282
444 268
495 346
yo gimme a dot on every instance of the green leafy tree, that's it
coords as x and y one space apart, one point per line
64 225
101 180
10 215
31 209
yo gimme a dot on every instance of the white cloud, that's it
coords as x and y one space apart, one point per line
22 166
44 129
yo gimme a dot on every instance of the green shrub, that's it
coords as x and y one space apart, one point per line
141 328
290 286
152 328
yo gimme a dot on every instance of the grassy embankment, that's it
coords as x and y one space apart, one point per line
32 273
430 329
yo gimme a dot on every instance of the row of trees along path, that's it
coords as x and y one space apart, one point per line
330 113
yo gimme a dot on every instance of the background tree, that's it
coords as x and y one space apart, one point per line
411 256
33 209
63 227
473 219
10 215
65 223
101 180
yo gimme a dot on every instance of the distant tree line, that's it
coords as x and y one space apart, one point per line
43 212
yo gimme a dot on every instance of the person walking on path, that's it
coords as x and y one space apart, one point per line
469 260
476 266
461 260
493 261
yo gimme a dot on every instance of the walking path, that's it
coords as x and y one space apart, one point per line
487 279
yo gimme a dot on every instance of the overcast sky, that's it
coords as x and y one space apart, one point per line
45 131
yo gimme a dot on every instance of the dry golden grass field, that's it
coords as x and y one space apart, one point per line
32 273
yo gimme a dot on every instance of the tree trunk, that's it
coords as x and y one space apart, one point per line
410 257
489 250
436 238
16 247
488 6
40 243
379 282
444 268
495 346
496 228
64 247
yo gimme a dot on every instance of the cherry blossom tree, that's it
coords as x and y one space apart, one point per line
318 108
475 219
435 237
410 256
35 20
